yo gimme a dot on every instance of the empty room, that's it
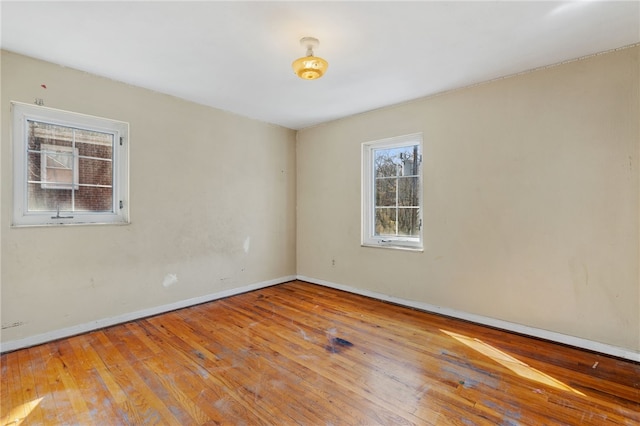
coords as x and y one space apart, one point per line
320 213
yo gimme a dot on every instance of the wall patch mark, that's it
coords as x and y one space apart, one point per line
14 324
169 280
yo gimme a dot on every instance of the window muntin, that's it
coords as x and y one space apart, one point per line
392 195
68 167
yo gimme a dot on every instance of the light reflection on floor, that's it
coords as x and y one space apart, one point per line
513 364
18 414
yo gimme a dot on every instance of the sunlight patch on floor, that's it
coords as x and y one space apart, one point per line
513 364
20 413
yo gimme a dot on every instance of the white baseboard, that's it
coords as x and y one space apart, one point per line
492 322
107 322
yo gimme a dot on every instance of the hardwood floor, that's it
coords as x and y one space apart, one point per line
298 353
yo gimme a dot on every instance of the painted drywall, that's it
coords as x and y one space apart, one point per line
531 200
212 199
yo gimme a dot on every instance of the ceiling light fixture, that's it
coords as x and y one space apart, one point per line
309 67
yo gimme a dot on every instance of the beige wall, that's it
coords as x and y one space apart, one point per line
531 200
212 201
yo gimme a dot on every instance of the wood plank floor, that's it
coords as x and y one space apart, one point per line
298 353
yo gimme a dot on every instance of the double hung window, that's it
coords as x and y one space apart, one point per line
392 192
68 168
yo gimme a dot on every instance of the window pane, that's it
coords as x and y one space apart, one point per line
396 161
408 222
57 157
386 192
410 167
33 170
51 134
92 199
385 162
39 199
95 172
385 221
47 188
408 191
59 177
93 144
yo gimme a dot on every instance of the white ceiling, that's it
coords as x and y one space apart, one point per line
237 55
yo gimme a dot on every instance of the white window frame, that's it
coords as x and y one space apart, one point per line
23 113
369 238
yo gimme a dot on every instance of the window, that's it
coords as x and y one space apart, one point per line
392 192
58 167
69 168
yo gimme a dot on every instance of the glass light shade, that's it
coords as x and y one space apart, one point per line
310 67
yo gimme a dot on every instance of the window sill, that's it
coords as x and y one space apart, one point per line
49 225
394 247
